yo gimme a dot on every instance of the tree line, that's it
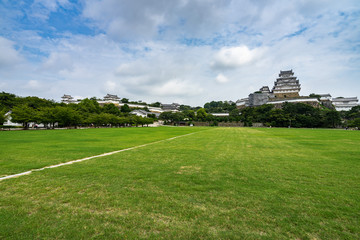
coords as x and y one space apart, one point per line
298 115
88 112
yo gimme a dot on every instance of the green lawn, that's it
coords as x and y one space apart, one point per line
220 183
25 150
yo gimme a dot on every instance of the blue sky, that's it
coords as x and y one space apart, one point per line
189 52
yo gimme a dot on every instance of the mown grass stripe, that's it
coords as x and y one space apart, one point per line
92 157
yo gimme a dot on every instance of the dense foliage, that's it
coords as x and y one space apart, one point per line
219 107
291 115
353 117
87 113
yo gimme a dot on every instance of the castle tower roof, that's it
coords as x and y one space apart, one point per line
286 85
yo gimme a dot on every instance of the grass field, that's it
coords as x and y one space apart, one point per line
219 183
24 150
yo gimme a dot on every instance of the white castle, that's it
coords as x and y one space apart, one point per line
287 88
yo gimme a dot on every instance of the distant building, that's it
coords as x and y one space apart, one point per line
258 98
8 121
220 114
265 89
68 99
286 89
324 97
110 97
173 107
286 86
241 103
345 104
139 112
155 110
143 113
314 102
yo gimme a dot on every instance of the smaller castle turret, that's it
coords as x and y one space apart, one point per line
68 99
111 97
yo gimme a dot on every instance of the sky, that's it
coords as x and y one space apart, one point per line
184 51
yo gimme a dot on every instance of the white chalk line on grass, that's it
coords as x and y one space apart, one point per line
88 158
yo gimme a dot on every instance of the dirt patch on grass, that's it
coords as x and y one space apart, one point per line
188 170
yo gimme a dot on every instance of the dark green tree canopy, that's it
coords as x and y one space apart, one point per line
125 108
111 108
219 107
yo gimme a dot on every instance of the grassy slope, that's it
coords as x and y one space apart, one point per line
223 183
24 150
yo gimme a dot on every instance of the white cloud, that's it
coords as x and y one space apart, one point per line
175 88
3 85
144 19
234 57
33 85
9 57
110 86
220 78
171 50
58 62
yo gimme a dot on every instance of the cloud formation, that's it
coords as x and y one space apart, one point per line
234 57
146 19
181 50
220 78
9 57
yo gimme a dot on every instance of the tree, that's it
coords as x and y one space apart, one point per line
37 103
234 115
353 113
177 117
152 115
122 121
219 106
134 119
189 114
125 100
332 118
7 100
102 119
24 115
261 113
166 116
67 117
355 123
140 120
184 108
46 116
2 117
125 108
201 114
111 108
303 115
156 104
148 121
87 106
277 118
313 95
209 118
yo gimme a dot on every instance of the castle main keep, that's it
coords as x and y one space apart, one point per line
286 89
286 86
